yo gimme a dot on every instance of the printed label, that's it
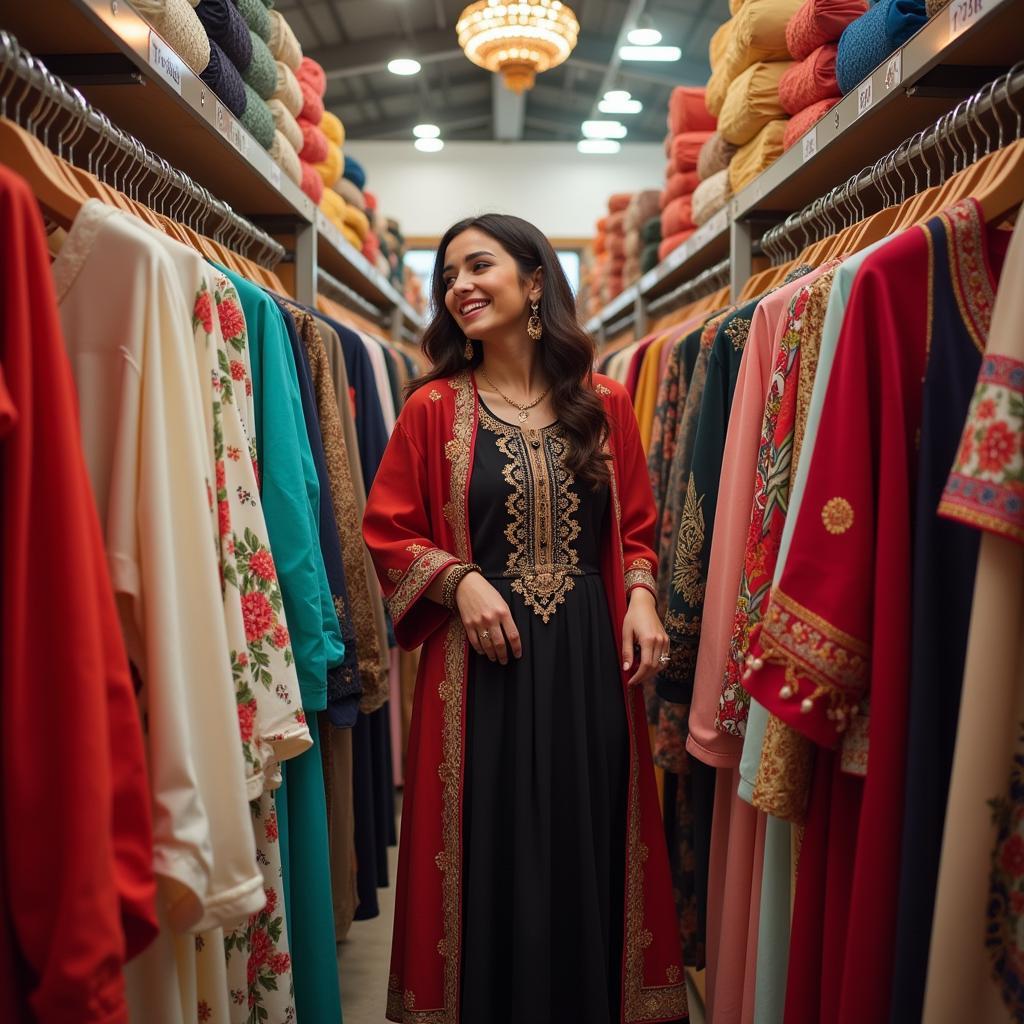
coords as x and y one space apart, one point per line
864 97
894 70
810 144
962 14
165 62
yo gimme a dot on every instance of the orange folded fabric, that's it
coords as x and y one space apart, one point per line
616 220
799 123
673 242
810 81
817 22
677 216
687 111
757 155
602 224
617 244
679 185
685 150
619 201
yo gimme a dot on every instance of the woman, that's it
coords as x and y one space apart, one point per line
510 524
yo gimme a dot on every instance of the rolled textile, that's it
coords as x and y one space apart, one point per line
371 199
685 150
354 172
934 6
718 45
632 246
617 244
758 34
227 28
314 143
285 123
283 44
330 167
718 83
223 78
619 201
734 6
313 73
282 152
615 222
600 244
810 80
817 22
602 223
331 126
688 112
651 231
761 152
181 28
644 205
288 91
649 256
752 101
256 17
371 247
312 184
678 185
351 237
868 41
257 119
670 244
350 192
334 207
800 123
710 196
312 104
714 156
677 216
261 73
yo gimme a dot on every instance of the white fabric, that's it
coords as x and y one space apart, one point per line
380 373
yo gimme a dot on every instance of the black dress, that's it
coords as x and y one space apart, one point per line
547 749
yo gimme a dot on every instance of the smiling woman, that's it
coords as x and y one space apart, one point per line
511 524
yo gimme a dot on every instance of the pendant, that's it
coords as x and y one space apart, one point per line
523 414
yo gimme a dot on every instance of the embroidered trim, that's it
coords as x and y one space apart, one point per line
837 515
972 284
434 395
416 579
686 575
737 330
602 389
641 578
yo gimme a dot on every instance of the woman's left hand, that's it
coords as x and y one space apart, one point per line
642 628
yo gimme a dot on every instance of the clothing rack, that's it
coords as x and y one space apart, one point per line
335 289
706 282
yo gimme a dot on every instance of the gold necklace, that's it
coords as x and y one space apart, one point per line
524 410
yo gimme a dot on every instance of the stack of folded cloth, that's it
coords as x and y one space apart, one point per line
615 228
810 88
713 192
874 37
330 168
690 125
642 208
597 268
355 225
650 242
314 149
181 29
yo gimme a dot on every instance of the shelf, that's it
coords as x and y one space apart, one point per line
900 97
343 261
123 67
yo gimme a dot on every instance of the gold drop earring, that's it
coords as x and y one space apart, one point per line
534 328
468 351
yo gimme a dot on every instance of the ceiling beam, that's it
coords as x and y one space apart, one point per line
466 116
350 59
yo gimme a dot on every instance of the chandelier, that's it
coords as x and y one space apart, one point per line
519 40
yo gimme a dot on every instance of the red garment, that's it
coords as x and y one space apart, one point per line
670 244
685 149
77 845
635 365
677 185
687 111
799 125
677 216
818 22
416 524
810 80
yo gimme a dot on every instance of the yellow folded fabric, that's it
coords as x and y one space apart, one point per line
288 91
331 126
331 168
734 6
759 34
351 193
718 83
357 221
286 124
757 155
181 28
351 237
752 101
283 44
282 152
334 208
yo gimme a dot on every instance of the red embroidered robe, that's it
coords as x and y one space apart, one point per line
416 524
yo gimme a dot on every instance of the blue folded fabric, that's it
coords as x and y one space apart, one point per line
227 28
874 37
223 78
355 173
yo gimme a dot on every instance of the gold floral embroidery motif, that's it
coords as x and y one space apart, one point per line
783 783
416 549
837 515
434 395
737 331
686 576
416 578
395 575
541 507
640 577
602 389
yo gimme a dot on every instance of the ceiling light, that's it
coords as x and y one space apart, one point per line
426 131
660 53
617 95
603 129
404 66
598 146
429 145
607 106
644 36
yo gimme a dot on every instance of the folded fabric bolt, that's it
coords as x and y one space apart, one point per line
670 244
869 41
752 101
350 192
313 73
256 17
677 216
283 44
644 205
810 80
227 28
632 244
651 231
758 34
678 185
710 196
288 91
312 184
618 202
649 256
330 167
332 127
799 123
757 155
312 104
223 78
282 152
817 22
351 237
314 143
181 28
616 221
371 199
685 150
714 156
355 173
261 73
257 119
334 207
357 221
617 244
285 123
687 111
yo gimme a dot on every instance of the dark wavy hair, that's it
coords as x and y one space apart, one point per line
566 350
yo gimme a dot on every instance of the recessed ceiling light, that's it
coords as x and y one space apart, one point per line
603 129
660 53
644 36
607 106
426 131
429 145
598 146
617 95
404 66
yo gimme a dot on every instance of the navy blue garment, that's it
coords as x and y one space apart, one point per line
945 558
344 687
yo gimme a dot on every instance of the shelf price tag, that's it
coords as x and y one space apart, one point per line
864 97
165 62
963 14
809 144
894 71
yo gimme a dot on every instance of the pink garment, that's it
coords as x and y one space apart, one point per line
732 524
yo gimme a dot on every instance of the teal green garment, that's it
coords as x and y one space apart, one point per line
773 926
309 907
290 494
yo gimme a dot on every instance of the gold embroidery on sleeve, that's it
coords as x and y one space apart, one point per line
686 577
414 580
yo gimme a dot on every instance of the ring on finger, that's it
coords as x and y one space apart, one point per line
484 634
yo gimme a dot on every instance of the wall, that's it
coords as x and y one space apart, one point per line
550 184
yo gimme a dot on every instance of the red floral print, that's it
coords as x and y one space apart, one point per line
1011 857
232 321
262 564
203 1011
224 518
259 948
258 615
986 409
271 828
243 659
271 898
202 312
247 720
996 448
279 638
234 452
280 963
220 474
237 370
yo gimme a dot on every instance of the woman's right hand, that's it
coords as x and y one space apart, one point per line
487 619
